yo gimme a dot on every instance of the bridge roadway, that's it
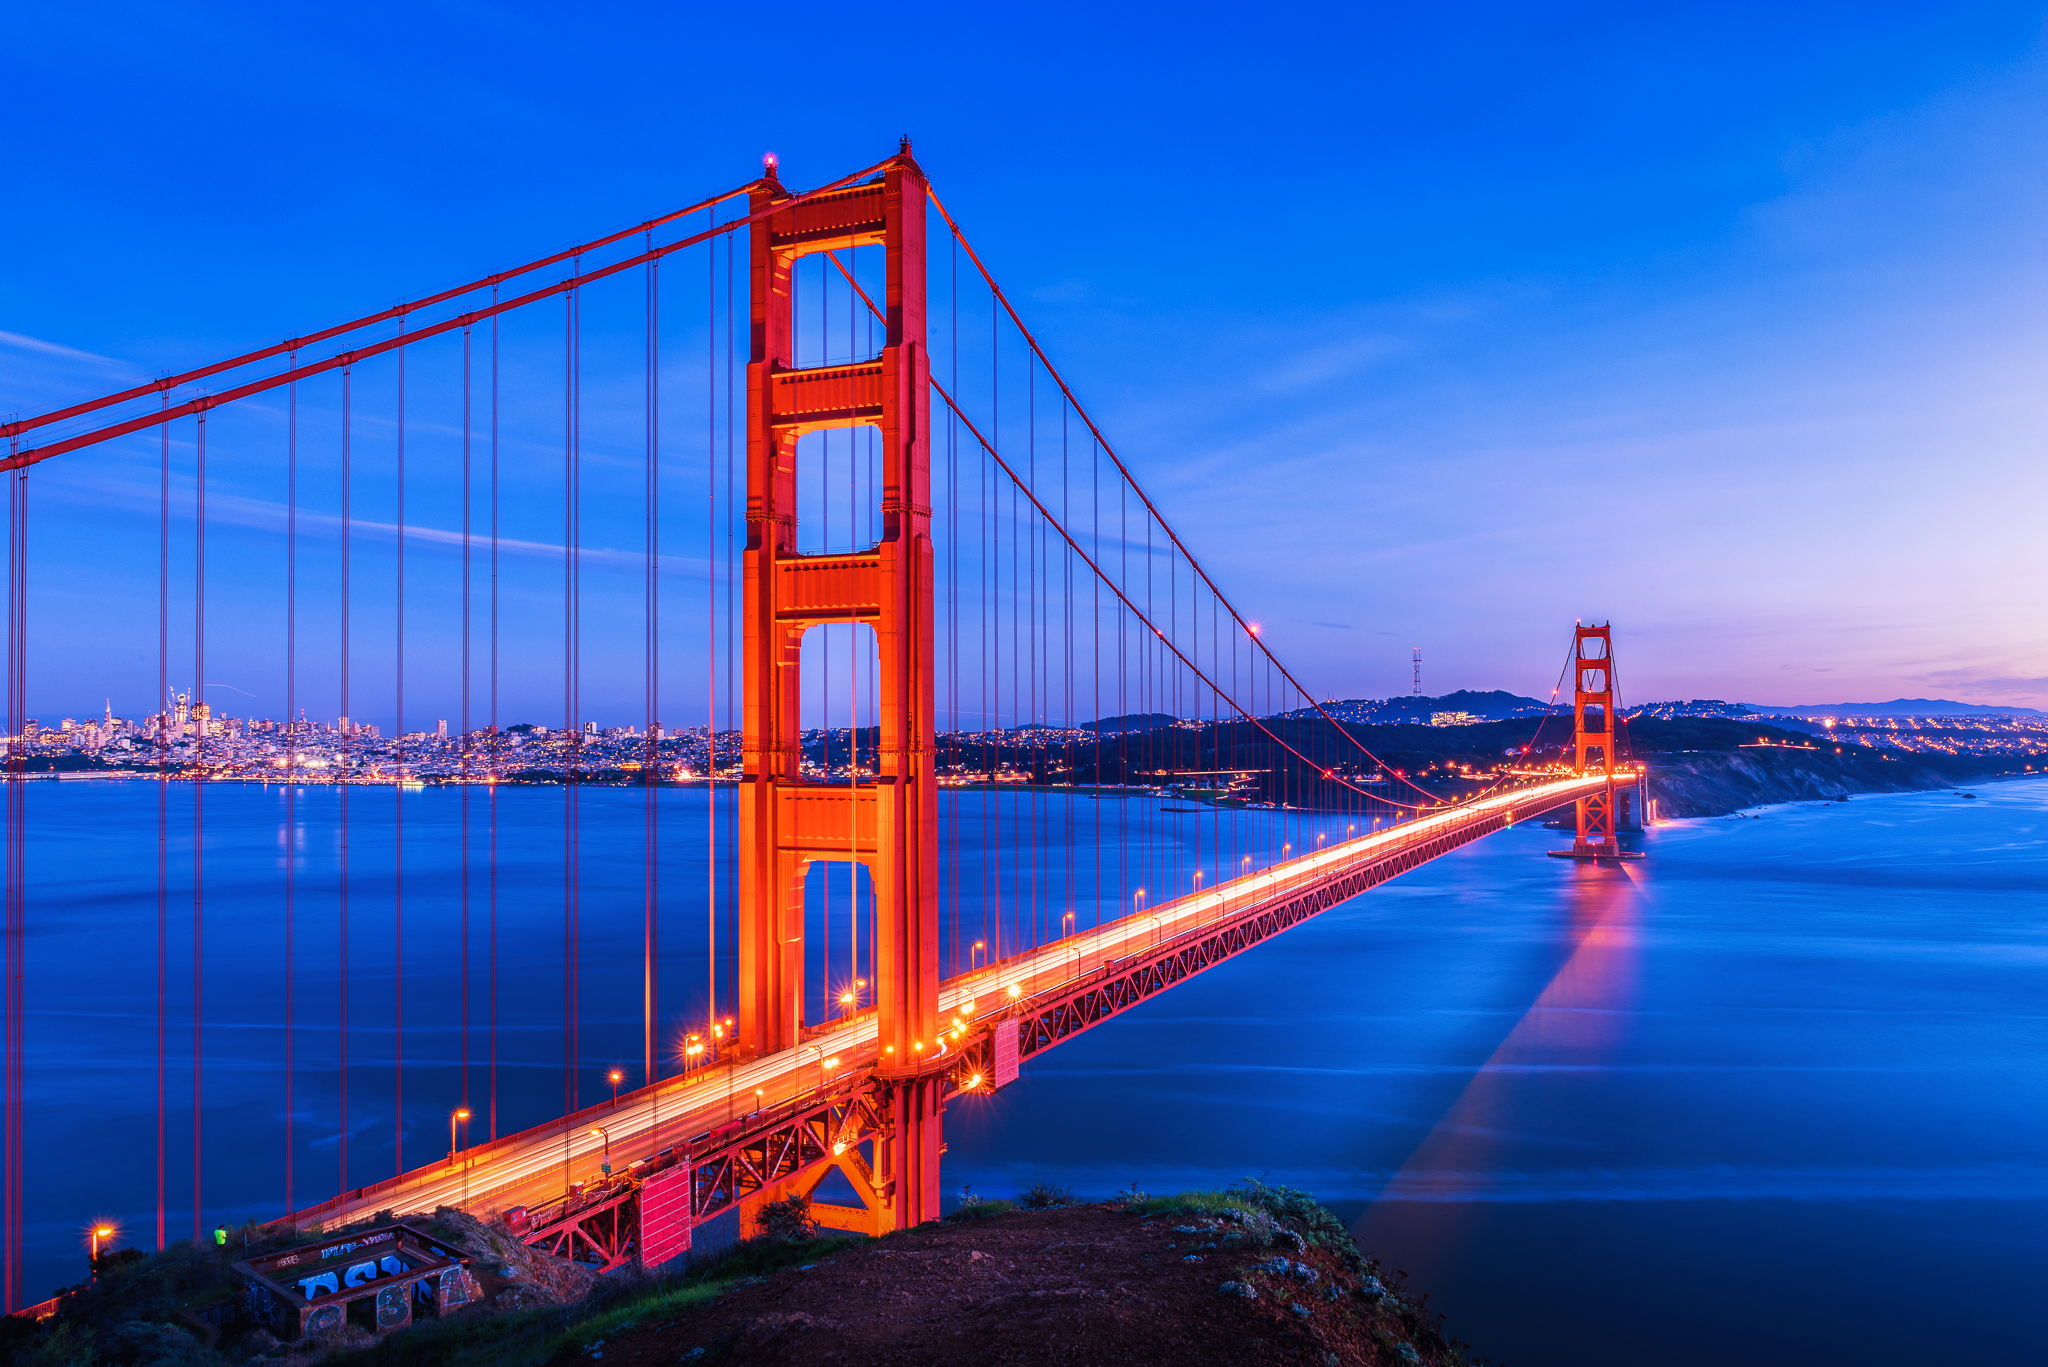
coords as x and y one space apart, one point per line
538 1165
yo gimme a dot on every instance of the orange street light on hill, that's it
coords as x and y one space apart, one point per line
99 1232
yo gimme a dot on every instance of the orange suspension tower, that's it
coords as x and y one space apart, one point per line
1593 727
889 824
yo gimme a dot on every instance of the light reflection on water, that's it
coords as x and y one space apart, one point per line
1729 1103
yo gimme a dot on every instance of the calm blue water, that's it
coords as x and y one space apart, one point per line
1743 1100
1774 1095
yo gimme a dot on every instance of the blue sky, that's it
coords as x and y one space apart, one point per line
1427 328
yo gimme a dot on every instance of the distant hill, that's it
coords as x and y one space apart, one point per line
1494 705
1898 707
1904 707
1130 723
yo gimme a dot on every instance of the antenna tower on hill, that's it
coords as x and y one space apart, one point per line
1418 672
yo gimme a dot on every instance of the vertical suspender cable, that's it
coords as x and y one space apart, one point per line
398 805
291 747
568 712
462 1093
650 769
576 684
203 722
571 702
953 586
163 791
731 614
11 1257
496 773
341 779
711 1034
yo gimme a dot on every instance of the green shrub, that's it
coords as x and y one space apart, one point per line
1045 1196
787 1221
974 1207
1299 1209
1213 1204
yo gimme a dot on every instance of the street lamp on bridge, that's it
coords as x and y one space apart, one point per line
459 1114
615 1077
601 1133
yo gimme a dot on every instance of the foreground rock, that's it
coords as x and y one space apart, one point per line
514 1276
1086 1285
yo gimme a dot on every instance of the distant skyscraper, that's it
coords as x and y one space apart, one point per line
441 729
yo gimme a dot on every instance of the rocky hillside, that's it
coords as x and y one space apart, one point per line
1216 1279
1716 783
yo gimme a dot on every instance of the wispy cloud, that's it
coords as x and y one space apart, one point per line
18 341
267 515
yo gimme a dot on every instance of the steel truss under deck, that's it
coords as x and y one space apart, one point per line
1064 1012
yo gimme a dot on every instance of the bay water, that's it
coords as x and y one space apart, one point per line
1774 1093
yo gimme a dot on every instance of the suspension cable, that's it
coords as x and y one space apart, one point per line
342 360
1032 341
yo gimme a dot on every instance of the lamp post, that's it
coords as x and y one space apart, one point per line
606 1165
615 1077
459 1114
99 1232
979 948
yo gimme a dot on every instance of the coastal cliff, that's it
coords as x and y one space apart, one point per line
1715 783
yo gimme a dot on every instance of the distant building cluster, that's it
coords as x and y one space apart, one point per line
1979 733
1943 735
191 740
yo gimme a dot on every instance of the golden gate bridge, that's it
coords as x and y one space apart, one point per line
888 546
